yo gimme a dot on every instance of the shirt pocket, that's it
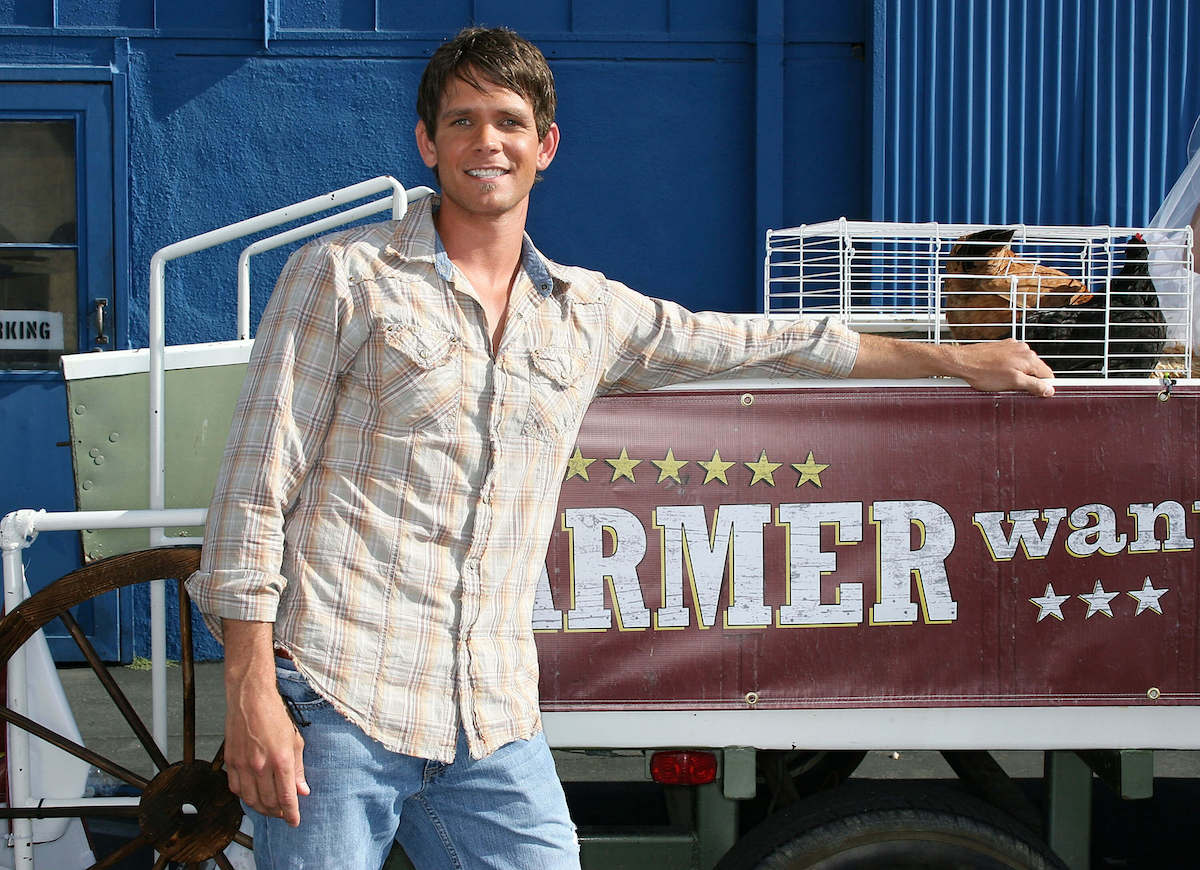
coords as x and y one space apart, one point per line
557 399
421 384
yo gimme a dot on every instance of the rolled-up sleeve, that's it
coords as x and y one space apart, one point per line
304 343
652 342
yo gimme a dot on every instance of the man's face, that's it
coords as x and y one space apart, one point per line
486 148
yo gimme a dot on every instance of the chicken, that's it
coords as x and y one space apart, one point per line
1072 339
988 289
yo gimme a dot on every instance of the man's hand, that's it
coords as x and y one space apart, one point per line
991 365
1004 365
264 752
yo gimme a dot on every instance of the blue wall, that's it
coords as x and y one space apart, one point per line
894 109
689 126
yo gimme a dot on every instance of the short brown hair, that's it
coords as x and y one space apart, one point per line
498 55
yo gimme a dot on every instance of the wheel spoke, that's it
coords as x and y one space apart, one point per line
122 853
70 746
56 600
114 691
187 668
69 812
243 839
222 861
115 572
219 759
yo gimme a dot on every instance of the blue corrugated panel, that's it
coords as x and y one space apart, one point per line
1035 111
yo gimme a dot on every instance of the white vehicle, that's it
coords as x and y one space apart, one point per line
753 582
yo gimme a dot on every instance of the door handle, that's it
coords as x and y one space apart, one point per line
98 321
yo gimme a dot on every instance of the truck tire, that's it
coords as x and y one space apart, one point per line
896 825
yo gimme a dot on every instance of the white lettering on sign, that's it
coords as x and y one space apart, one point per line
606 546
1024 533
900 564
807 562
705 562
545 617
31 330
736 541
1094 529
590 568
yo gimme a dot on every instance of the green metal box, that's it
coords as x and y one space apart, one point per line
108 402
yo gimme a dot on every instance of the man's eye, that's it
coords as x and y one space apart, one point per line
459 122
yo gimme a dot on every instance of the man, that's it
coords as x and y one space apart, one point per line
390 483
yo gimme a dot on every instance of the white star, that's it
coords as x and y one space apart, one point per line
1098 601
1147 598
1050 604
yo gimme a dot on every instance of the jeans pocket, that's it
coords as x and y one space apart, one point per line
297 691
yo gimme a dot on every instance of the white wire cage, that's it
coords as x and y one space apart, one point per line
1083 297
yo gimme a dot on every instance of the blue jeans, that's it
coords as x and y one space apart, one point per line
506 811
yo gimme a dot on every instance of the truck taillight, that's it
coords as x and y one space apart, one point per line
683 767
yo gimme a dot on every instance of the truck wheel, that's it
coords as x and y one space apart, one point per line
896 825
165 823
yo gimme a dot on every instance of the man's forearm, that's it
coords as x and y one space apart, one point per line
249 652
882 357
264 752
992 365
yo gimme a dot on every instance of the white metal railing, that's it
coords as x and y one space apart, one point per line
398 201
18 531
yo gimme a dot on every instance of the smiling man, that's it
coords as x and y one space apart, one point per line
391 481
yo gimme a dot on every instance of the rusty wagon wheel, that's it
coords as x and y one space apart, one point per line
188 836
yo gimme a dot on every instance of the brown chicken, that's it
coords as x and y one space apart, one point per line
988 288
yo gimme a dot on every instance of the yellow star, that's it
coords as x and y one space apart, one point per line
577 465
715 467
669 467
809 470
623 466
763 470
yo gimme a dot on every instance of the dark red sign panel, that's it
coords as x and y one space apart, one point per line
880 546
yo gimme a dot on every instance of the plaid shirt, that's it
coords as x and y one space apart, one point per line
390 485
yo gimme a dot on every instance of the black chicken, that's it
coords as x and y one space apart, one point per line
1072 339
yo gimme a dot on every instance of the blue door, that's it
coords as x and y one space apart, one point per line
56 297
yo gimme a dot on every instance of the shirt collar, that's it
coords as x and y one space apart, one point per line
416 238
441 260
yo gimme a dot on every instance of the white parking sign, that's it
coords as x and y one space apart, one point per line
31 330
